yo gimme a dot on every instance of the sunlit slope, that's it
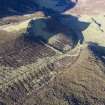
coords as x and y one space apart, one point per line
96 30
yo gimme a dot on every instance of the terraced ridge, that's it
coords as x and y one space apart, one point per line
21 54
16 84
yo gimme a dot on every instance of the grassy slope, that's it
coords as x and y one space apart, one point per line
81 84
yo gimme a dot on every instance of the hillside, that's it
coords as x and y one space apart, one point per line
52 58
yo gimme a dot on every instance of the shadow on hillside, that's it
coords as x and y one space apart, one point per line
45 28
98 51
22 7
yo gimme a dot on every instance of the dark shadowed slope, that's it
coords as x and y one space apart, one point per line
98 51
16 7
20 7
45 28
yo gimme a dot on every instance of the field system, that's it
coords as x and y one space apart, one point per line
27 66
30 67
